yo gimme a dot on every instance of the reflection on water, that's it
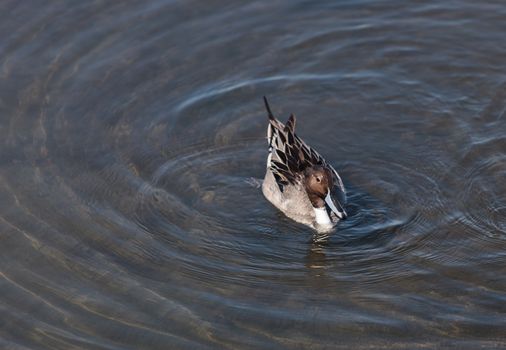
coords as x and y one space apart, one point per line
132 134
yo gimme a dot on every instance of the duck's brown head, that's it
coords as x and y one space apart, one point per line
319 182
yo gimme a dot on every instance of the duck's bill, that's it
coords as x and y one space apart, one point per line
335 206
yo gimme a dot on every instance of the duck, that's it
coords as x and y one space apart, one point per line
299 181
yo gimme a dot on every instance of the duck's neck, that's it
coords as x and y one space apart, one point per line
322 217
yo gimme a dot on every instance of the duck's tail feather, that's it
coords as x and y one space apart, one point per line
290 124
273 124
268 108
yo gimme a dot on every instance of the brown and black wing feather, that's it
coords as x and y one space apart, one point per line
289 155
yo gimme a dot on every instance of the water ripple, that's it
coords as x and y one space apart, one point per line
132 136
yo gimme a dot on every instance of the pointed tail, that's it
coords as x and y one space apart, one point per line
269 112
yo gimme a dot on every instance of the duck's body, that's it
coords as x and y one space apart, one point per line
293 201
298 181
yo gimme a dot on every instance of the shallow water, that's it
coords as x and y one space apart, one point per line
131 131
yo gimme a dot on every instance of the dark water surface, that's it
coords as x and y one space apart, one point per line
130 131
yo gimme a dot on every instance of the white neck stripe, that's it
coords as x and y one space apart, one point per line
322 218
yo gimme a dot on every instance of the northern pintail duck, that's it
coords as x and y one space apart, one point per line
298 181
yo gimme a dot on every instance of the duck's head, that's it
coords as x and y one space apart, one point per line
319 183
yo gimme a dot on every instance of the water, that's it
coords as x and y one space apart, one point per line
130 132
